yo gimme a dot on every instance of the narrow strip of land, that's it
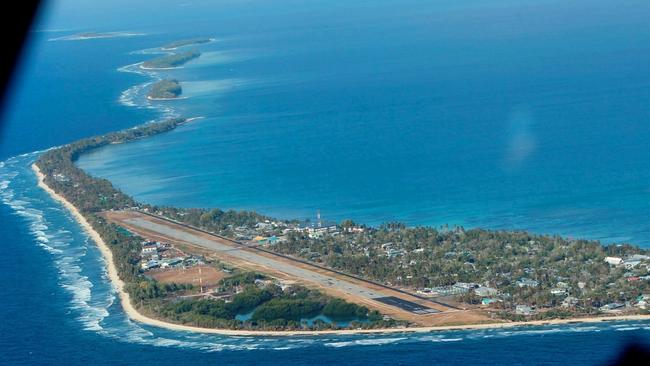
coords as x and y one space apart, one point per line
388 300
133 314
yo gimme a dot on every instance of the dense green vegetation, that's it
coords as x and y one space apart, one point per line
145 289
251 297
340 309
424 257
286 309
171 60
165 89
185 42
241 279
273 307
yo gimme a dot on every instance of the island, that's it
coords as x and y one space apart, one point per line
165 89
171 60
185 42
95 35
240 272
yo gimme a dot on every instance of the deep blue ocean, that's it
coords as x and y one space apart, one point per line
527 115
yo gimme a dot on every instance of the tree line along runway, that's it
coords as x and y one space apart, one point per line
388 300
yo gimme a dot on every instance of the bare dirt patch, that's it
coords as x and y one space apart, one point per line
206 275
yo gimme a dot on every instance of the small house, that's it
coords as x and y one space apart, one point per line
524 310
486 301
613 261
558 291
485 291
612 307
527 282
149 249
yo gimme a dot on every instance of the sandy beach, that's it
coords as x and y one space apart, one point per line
210 40
133 314
141 65
163 99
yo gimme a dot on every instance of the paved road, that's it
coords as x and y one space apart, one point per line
390 301
279 265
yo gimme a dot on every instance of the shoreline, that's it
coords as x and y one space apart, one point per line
210 40
134 315
164 99
158 68
81 37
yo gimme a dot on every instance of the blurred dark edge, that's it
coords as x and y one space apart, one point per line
18 18
16 30
633 354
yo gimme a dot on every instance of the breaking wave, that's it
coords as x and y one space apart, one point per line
50 230
136 96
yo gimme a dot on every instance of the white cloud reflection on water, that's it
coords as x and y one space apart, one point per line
521 142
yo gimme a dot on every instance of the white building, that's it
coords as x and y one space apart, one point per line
643 301
614 261
612 307
466 285
558 291
485 291
149 249
638 257
629 264
527 282
524 310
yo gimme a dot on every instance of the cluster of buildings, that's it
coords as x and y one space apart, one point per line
441 291
161 255
637 266
318 232
630 262
269 232
262 232
459 288
641 302
490 295
60 177
527 282
390 250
